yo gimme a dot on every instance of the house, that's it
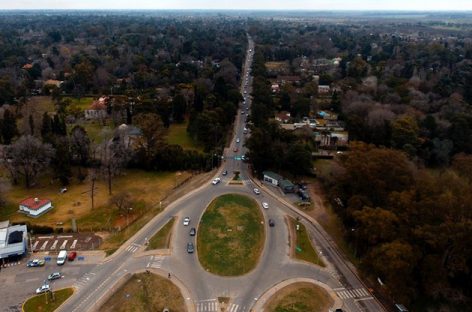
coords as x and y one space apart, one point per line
287 186
34 207
52 82
283 117
282 80
129 134
272 177
324 89
98 109
275 88
13 240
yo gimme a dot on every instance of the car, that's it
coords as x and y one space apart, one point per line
186 221
35 263
271 223
43 288
225 172
63 190
242 112
72 255
190 248
256 191
216 181
265 205
193 231
238 140
339 310
235 150
55 275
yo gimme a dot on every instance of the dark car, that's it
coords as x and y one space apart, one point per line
339 310
190 248
271 223
225 172
193 231
72 255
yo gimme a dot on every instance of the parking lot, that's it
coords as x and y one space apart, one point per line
69 241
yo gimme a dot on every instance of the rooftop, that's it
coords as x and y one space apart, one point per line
34 203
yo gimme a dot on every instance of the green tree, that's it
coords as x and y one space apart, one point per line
9 128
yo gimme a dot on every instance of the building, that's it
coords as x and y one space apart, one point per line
272 177
324 89
287 186
13 240
34 207
98 109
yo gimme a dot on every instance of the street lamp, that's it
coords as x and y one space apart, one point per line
127 213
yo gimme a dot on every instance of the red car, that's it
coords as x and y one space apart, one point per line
72 255
235 150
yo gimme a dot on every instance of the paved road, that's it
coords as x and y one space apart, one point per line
204 288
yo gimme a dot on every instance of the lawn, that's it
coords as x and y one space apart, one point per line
77 104
231 235
146 292
161 239
178 135
304 249
38 303
96 131
300 297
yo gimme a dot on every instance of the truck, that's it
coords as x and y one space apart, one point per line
62 257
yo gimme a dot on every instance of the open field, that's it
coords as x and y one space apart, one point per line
161 239
277 66
300 297
303 249
38 303
231 235
146 292
178 135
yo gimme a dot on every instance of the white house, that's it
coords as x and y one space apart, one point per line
272 177
34 207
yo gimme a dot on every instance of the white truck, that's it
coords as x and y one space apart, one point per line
62 257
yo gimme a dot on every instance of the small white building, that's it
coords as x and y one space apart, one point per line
272 177
34 207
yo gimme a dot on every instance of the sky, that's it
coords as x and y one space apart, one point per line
422 5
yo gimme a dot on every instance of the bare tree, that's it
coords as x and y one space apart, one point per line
27 157
152 136
122 201
80 147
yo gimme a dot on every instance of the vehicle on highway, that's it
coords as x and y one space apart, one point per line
235 150
265 205
43 288
216 181
256 191
190 248
225 172
35 263
238 140
62 257
193 231
72 255
186 221
271 223
55 275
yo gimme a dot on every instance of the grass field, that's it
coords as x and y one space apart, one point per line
146 292
161 239
38 303
231 235
300 297
277 65
178 135
79 104
304 249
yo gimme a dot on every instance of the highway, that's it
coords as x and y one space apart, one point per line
204 288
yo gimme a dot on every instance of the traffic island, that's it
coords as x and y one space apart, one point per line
301 246
231 235
48 301
236 180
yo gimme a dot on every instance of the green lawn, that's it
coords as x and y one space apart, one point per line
38 303
231 235
79 104
304 249
178 135
161 239
300 297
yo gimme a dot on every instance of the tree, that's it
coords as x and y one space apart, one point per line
31 124
27 157
9 129
62 159
46 127
179 106
122 201
405 132
152 136
80 145
114 155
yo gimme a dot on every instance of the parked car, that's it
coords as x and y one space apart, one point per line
190 248
265 205
225 172
271 223
235 150
186 221
35 263
237 140
43 288
193 231
72 255
55 275
216 181
256 191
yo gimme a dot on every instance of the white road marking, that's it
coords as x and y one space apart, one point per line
353 293
43 247
234 307
35 244
54 244
365 298
64 244
73 244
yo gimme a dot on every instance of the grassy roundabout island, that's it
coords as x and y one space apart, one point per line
47 302
231 235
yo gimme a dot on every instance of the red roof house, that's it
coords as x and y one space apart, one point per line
34 207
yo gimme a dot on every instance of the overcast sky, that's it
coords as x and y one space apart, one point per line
242 4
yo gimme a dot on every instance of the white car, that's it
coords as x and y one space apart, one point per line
186 221
43 288
265 205
237 140
216 181
256 191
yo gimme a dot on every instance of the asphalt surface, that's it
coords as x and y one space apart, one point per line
99 281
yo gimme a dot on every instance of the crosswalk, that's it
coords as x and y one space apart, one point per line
133 248
352 293
82 281
236 308
209 305
155 262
